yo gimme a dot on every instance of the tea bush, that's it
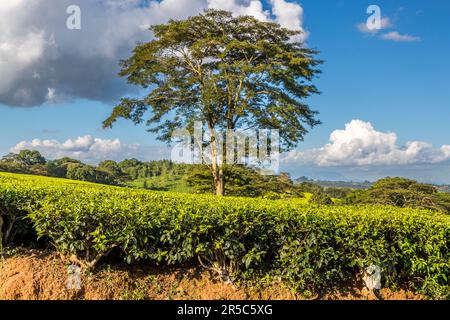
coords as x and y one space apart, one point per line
310 247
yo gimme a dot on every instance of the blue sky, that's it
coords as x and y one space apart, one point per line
400 87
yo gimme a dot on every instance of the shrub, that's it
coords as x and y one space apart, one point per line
16 198
330 245
338 193
321 198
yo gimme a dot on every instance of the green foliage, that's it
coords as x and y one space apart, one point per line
162 175
225 72
25 157
16 195
243 181
444 200
401 192
337 193
83 172
200 180
111 167
321 198
310 187
167 182
30 157
309 247
272 196
134 169
107 172
26 161
58 168
350 185
220 69
399 242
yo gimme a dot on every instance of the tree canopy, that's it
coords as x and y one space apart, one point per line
25 157
401 192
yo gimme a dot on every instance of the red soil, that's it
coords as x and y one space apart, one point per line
39 275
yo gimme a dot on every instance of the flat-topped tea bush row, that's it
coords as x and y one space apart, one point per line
308 247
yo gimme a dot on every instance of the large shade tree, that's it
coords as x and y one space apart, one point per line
227 73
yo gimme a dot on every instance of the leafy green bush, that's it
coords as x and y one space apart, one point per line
327 246
310 247
321 198
16 197
243 181
337 193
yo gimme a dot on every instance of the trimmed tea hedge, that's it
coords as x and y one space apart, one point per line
309 247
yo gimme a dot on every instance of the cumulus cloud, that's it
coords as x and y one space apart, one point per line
43 61
397 37
289 15
86 148
360 144
253 8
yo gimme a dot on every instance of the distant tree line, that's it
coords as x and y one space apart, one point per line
106 172
337 184
401 192
241 181
398 192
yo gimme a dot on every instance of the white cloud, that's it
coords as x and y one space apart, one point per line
253 8
397 37
8 5
38 52
92 150
385 24
446 151
359 144
86 148
290 16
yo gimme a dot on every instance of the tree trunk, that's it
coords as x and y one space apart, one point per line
220 183
216 166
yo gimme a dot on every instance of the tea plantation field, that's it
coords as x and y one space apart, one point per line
307 247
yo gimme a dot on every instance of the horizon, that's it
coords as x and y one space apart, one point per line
294 178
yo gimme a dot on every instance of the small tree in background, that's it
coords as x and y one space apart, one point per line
321 198
401 192
25 157
111 167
